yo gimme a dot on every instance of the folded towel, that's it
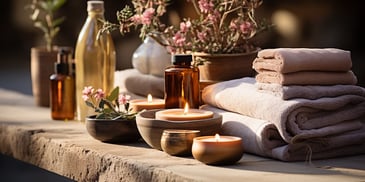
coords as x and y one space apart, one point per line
132 81
296 119
288 60
307 78
308 91
262 138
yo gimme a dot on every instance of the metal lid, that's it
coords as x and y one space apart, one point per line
95 6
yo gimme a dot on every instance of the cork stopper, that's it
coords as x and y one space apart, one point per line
95 6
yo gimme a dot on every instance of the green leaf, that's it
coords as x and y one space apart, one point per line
88 103
58 21
101 104
41 25
113 94
57 4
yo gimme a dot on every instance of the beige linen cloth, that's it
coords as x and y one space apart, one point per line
289 60
138 84
262 138
297 120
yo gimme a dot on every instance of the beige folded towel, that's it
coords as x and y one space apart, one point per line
296 119
262 138
288 60
307 78
308 91
132 81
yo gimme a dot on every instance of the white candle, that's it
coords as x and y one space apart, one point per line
185 114
148 104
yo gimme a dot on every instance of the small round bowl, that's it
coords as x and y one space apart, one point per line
212 152
112 131
178 142
151 129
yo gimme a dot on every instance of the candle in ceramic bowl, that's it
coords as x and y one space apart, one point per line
217 150
185 114
148 104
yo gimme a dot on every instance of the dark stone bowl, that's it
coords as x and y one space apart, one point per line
112 131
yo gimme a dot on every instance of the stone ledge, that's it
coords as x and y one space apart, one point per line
27 133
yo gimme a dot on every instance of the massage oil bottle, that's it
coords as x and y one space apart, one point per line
182 83
62 87
95 57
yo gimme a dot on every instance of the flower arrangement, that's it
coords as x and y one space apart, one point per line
43 16
222 26
113 106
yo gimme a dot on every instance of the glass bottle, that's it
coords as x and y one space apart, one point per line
94 58
182 83
62 87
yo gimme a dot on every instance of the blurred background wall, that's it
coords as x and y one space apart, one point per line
300 23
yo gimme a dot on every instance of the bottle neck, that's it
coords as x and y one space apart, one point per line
97 14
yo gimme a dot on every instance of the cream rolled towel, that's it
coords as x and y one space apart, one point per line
259 137
132 81
296 119
288 60
308 91
262 138
307 78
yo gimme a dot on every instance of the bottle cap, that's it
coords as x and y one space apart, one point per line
182 59
95 6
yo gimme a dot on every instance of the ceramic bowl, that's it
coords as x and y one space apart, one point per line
178 142
151 129
112 131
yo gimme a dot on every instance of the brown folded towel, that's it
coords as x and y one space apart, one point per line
307 78
288 60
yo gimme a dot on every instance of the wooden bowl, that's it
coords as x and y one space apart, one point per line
112 131
151 129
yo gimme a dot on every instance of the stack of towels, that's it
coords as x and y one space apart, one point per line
303 104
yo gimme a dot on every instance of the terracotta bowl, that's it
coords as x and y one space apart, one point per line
112 131
151 129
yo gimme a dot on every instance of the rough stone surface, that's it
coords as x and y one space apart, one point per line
27 133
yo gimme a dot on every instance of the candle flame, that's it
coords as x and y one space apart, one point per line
217 137
149 98
186 108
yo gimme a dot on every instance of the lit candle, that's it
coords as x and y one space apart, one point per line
185 114
217 150
148 104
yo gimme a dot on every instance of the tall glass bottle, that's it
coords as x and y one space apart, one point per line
62 87
182 83
94 57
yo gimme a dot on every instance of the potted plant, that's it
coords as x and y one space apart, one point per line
223 28
113 120
43 57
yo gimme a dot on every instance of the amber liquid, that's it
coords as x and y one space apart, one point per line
62 93
182 86
95 62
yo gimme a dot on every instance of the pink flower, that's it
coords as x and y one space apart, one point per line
99 94
246 27
87 92
202 35
123 99
184 27
147 16
137 19
179 39
205 6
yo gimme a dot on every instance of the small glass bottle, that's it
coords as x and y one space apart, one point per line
95 57
182 83
62 87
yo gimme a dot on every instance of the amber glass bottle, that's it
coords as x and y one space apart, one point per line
182 83
62 87
95 57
